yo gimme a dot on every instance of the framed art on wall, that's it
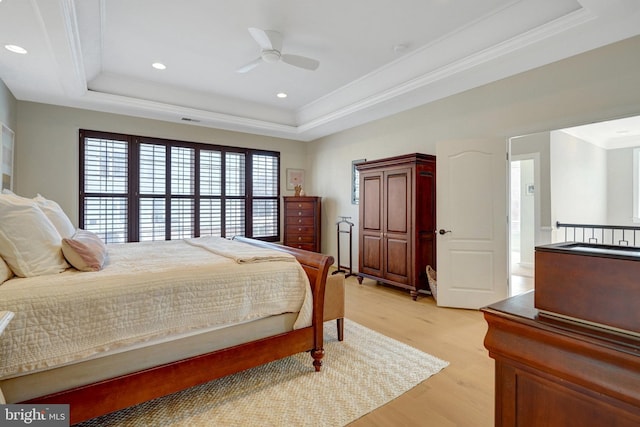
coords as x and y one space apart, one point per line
6 157
294 177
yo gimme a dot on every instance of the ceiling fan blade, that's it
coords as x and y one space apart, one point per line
301 61
267 39
250 66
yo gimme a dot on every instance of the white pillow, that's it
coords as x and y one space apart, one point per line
56 215
29 242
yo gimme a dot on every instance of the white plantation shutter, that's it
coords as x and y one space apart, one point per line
106 175
265 195
153 186
150 189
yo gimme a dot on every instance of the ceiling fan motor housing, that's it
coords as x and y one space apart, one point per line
270 56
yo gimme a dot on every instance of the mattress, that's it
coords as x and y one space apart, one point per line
42 383
147 293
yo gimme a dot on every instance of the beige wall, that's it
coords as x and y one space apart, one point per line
598 85
620 186
47 158
578 181
538 143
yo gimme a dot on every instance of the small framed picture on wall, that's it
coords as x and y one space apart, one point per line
294 177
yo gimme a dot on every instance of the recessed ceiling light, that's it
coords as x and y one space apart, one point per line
281 95
15 49
159 66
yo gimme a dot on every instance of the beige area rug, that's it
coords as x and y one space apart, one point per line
359 374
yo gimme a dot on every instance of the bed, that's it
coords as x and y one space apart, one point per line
148 324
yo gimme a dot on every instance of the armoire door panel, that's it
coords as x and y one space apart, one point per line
372 254
397 259
398 204
371 199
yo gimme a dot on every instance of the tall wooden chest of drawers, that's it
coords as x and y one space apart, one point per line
302 223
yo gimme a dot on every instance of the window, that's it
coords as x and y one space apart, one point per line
138 189
355 181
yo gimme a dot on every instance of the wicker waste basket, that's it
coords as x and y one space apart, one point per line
433 283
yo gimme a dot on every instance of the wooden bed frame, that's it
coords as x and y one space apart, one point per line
113 394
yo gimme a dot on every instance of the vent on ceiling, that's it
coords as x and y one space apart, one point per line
187 119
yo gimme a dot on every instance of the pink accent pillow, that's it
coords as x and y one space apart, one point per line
85 251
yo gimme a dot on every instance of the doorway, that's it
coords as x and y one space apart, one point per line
523 220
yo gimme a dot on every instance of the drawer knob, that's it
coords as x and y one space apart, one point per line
299 221
299 238
299 205
299 228
299 213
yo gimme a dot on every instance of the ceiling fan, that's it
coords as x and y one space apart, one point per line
271 44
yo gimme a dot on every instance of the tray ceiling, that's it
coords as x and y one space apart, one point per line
376 57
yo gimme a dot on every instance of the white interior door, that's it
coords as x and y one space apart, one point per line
472 213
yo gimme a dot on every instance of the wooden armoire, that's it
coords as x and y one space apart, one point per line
397 220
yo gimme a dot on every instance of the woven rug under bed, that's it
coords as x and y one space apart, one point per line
359 374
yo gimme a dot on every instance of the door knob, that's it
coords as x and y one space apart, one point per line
443 231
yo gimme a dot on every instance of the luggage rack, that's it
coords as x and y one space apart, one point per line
349 231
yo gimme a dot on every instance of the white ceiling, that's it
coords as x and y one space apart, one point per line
610 135
377 57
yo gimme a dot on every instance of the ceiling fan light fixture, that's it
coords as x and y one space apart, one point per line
159 66
270 43
270 56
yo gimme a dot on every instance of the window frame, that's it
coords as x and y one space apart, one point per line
133 184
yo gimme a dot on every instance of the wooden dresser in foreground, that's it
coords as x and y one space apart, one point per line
552 372
302 222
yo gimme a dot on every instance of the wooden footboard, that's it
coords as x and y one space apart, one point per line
120 392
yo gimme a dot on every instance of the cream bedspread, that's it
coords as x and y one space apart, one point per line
147 291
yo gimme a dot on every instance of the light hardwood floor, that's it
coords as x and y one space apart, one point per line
462 393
